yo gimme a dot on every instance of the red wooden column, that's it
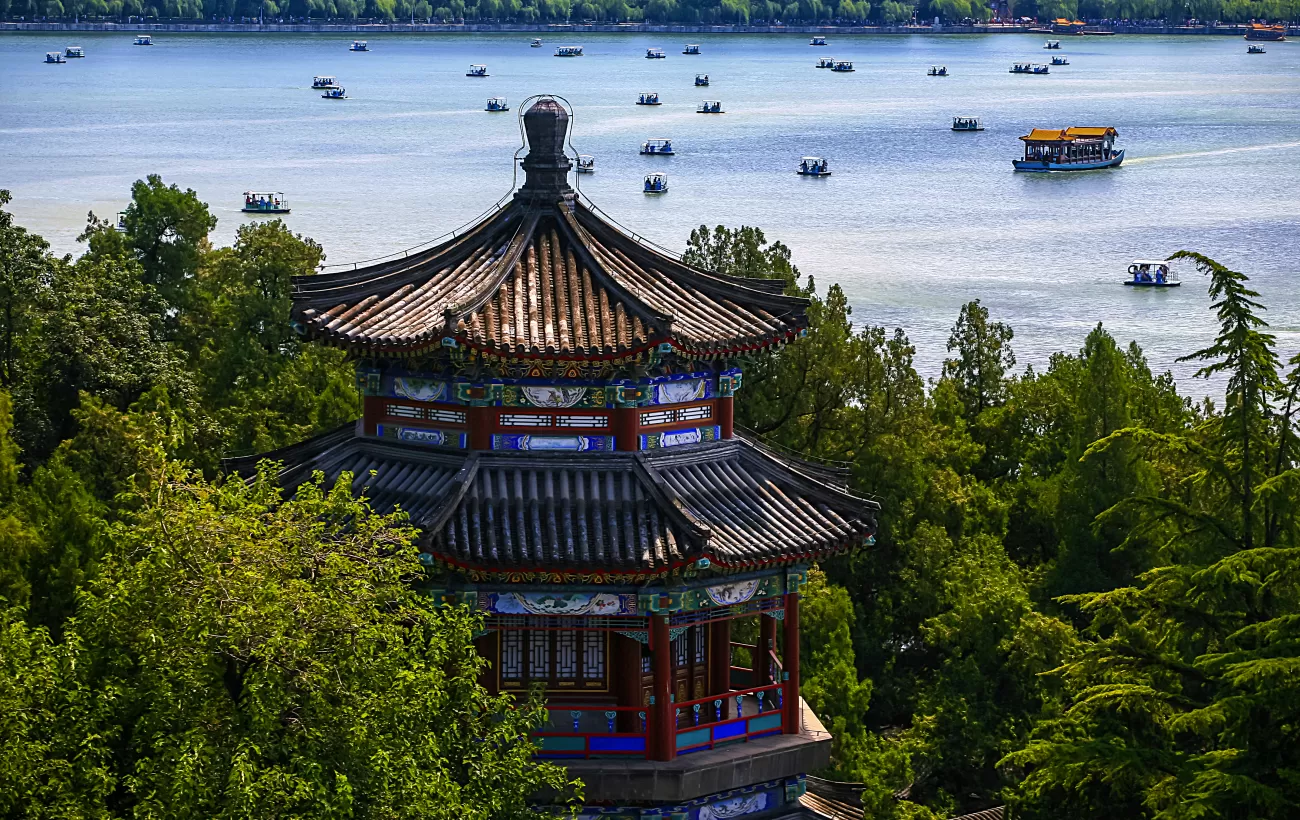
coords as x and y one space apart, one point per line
663 723
720 660
480 420
627 428
766 643
790 720
727 415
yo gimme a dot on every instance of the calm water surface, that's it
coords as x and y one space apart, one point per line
915 220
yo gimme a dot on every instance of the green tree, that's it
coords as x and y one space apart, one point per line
168 230
983 359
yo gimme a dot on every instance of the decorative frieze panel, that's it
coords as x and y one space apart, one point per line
606 604
512 441
423 435
676 438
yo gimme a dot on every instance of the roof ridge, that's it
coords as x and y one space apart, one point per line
570 228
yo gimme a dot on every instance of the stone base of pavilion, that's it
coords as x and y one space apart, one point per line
766 771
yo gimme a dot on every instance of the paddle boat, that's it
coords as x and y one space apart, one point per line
121 221
477 70
497 104
338 92
813 167
648 98
536 43
655 54
1070 149
568 51
825 62
656 183
321 82
143 40
842 65
710 107
1152 274
661 146
1060 61
1254 49
1052 44
359 45
54 57
938 71
966 124
586 164
1029 68
691 48
1265 32
256 202
701 79
74 51
817 40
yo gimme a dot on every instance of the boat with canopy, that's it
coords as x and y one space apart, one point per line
660 146
143 40
655 54
568 51
842 66
74 51
1070 149
648 98
656 183
813 167
691 48
1148 273
324 81
701 79
586 164
938 71
967 124
710 107
497 104
258 202
477 70
54 57
336 93
359 45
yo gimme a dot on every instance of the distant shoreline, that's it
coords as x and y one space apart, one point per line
601 28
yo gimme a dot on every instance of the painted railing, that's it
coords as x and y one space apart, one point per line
731 718
592 731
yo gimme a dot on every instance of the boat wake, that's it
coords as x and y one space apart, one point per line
1217 152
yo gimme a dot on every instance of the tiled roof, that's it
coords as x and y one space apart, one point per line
545 276
616 513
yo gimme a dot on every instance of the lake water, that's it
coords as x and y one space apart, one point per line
915 220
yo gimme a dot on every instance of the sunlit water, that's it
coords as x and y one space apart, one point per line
914 221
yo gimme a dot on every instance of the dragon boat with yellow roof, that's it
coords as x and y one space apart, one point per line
1070 149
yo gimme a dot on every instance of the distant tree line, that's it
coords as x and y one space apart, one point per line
653 11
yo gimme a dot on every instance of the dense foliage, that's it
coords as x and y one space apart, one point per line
1082 599
178 646
743 12
1085 593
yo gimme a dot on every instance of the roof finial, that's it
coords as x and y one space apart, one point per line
546 166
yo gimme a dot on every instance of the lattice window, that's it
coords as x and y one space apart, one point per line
587 422
405 411
539 655
697 634
512 655
647 664
657 417
704 411
566 652
408 411
679 652
526 420
593 655
450 416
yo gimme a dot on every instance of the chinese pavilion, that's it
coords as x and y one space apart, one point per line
551 402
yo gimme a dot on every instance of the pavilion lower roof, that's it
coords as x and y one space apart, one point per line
545 280
631 515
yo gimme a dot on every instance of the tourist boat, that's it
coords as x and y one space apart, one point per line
710 107
359 45
701 79
121 221
338 92
967 124
143 40
1254 49
568 51
1063 26
660 146
321 82
648 98
74 51
54 57
1052 44
497 104
477 70
655 54
813 167
1070 149
256 202
938 71
817 41
656 183
1029 68
586 164
1060 61
536 43
842 65
1261 31
825 62
691 48
1152 274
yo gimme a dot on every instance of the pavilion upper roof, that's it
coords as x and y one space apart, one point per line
545 277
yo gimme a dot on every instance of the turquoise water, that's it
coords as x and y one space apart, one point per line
914 221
